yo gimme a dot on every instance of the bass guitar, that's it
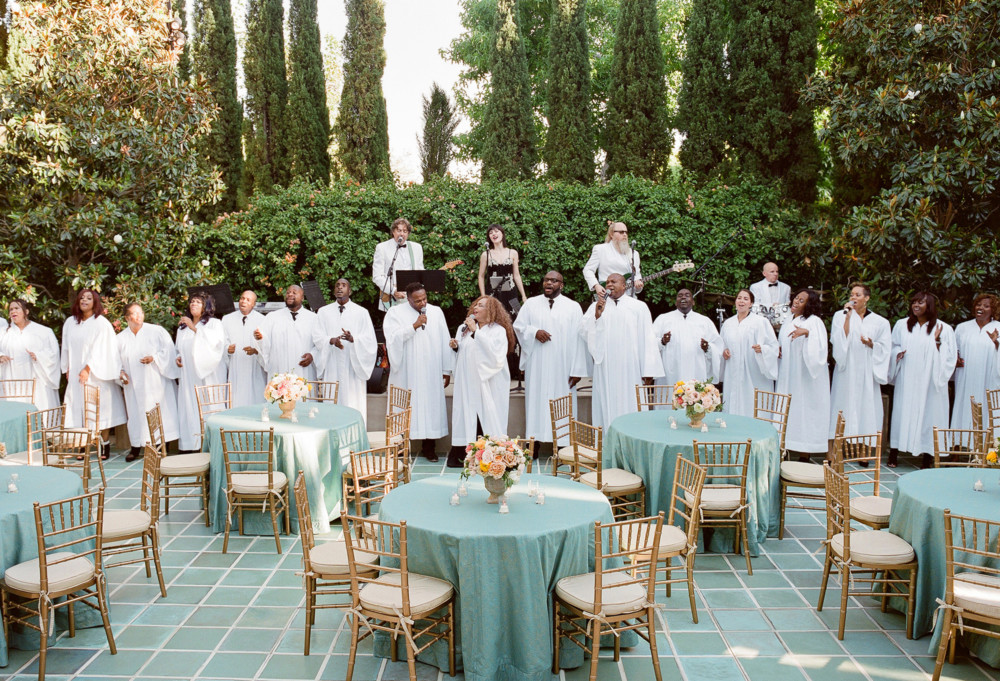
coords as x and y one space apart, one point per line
678 266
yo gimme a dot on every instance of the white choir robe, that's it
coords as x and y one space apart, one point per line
245 372
683 357
3 323
804 374
623 349
409 257
482 384
418 362
980 373
859 372
92 343
201 354
747 370
548 366
286 340
149 384
767 295
16 343
352 365
920 400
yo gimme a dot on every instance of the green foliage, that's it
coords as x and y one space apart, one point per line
772 54
267 96
308 116
305 233
921 113
569 145
509 141
703 112
436 146
362 127
97 141
213 57
637 138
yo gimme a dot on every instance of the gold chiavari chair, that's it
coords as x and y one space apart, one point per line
724 497
977 413
648 397
323 391
993 409
91 428
177 471
211 400
398 435
625 490
375 475
526 445
38 423
959 447
853 457
561 415
251 481
18 389
70 449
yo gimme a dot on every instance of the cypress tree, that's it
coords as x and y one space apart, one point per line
703 103
308 116
179 10
267 93
638 136
440 122
569 146
362 127
773 52
213 55
509 141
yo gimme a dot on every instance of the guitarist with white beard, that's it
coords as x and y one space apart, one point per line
614 256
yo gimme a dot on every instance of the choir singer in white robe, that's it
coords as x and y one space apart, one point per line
553 355
149 367
978 367
288 338
749 357
618 331
345 342
922 360
690 347
481 402
30 351
201 344
416 338
244 364
90 355
862 341
804 374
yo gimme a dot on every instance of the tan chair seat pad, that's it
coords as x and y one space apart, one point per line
578 591
872 509
721 498
184 464
615 480
118 524
874 547
349 468
330 558
978 592
256 483
376 438
802 472
566 453
672 540
62 576
427 594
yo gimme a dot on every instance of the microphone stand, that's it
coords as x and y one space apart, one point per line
388 275
631 257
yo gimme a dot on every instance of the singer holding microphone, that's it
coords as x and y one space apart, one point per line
614 256
392 255
201 347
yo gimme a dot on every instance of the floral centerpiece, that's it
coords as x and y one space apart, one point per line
991 456
697 398
286 390
499 460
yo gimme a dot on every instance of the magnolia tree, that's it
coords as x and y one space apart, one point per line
99 161
914 116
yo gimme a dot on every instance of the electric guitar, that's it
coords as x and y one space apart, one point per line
678 266
448 266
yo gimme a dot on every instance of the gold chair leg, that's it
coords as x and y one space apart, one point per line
946 642
781 515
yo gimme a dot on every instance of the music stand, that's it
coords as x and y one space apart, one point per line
433 280
313 294
222 294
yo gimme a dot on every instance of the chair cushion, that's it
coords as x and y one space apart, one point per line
256 483
184 464
376 438
427 594
803 473
62 577
872 509
717 498
330 558
672 540
349 468
615 480
566 453
118 524
578 591
875 547
978 592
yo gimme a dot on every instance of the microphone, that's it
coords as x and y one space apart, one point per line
423 311
400 242
633 244
488 244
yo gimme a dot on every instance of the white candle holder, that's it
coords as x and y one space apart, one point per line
264 416
978 486
455 501
503 505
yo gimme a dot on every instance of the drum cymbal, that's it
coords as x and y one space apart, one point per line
715 297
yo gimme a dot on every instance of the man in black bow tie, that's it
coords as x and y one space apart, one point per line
769 291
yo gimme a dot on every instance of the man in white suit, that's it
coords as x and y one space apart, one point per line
769 291
409 256
614 256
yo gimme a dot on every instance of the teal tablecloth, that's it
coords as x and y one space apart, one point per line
18 539
503 567
645 444
316 446
918 517
14 425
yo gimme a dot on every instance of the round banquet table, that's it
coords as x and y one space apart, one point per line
317 446
918 517
14 425
18 538
503 568
645 444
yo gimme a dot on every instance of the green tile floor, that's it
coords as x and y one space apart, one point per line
239 616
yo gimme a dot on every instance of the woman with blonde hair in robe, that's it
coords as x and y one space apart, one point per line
201 342
29 350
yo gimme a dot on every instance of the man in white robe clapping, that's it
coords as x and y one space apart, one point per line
345 341
148 371
690 346
287 338
618 331
243 358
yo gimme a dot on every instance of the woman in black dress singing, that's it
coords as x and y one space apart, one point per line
498 272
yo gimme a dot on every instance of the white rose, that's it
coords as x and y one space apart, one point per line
205 263
917 28
118 238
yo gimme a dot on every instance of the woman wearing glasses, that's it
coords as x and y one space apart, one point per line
614 256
